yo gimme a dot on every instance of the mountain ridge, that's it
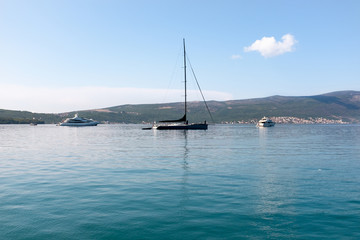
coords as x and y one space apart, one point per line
339 105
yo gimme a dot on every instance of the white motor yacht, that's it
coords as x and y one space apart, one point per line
265 122
78 122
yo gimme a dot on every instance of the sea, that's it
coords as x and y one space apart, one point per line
228 182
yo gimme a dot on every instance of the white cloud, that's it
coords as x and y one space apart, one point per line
56 100
269 47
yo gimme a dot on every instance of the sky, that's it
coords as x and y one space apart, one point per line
69 55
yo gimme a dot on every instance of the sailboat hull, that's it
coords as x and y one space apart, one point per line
195 126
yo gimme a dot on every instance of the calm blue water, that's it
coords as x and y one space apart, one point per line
230 182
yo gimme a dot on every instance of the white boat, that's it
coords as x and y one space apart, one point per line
78 122
265 122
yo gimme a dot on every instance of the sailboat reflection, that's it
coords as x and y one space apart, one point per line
186 151
184 190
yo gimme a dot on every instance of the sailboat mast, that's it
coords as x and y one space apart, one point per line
185 78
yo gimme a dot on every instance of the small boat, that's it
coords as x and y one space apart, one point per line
182 123
77 121
265 122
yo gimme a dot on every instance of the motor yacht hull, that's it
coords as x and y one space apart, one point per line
79 124
267 124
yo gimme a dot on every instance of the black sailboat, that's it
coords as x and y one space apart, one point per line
182 123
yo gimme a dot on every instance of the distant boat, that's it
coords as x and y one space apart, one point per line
77 121
265 122
182 123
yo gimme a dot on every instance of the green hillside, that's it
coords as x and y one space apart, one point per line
338 105
344 105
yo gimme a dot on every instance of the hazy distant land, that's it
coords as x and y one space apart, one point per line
331 108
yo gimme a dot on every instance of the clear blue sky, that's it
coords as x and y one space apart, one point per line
64 55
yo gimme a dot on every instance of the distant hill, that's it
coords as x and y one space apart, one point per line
24 117
342 105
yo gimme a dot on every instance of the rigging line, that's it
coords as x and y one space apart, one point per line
174 72
170 83
207 107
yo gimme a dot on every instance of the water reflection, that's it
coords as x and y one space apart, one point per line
186 151
184 189
274 177
263 136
